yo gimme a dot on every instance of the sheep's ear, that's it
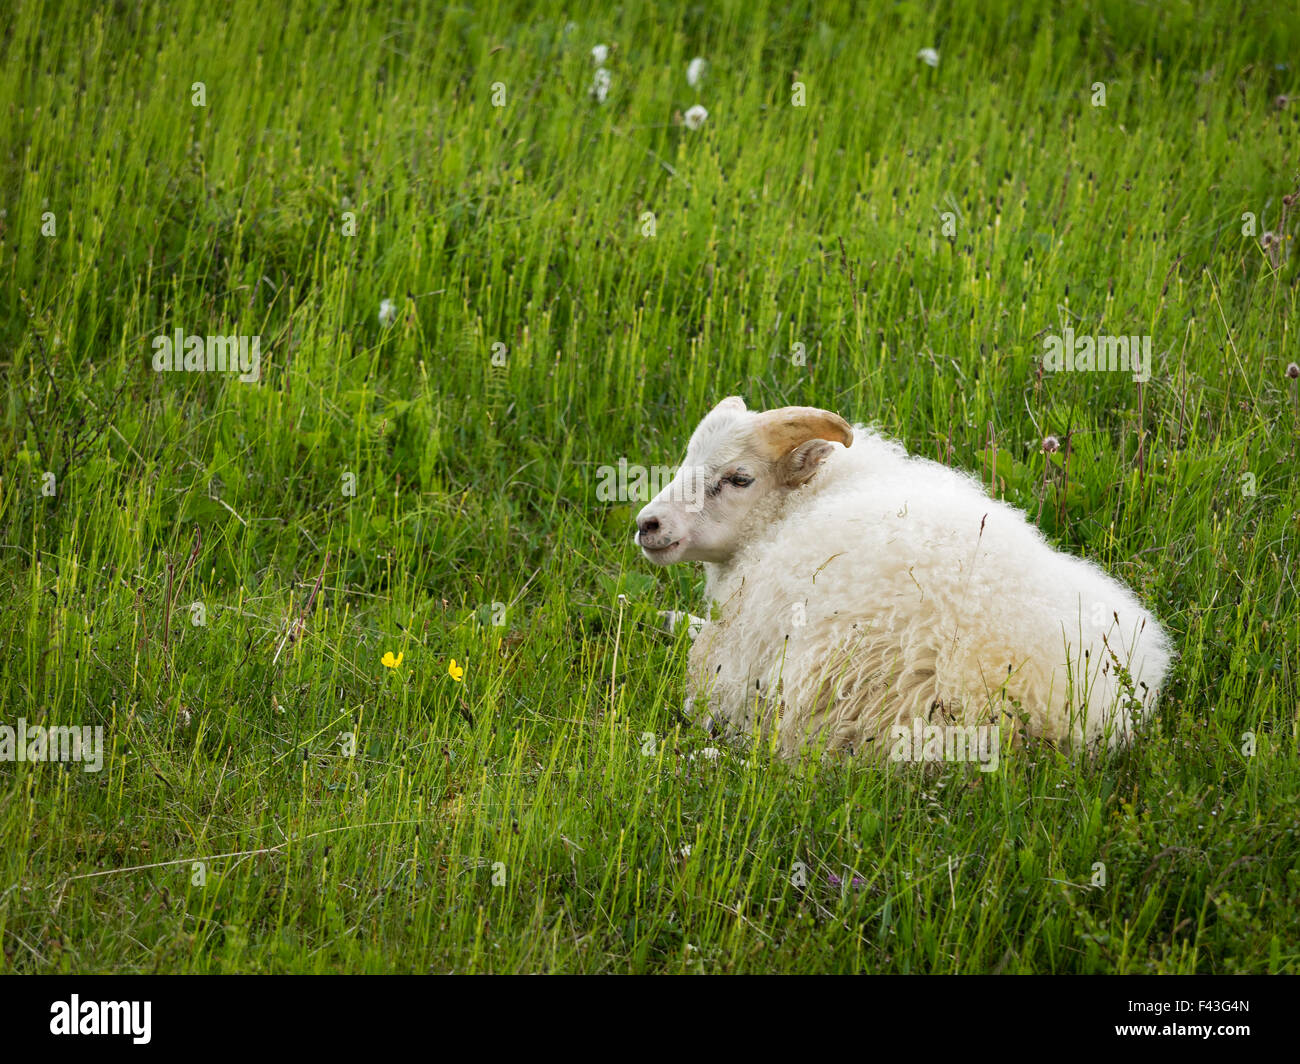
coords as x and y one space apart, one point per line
732 402
798 466
778 432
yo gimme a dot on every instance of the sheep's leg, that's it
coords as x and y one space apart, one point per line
713 726
672 618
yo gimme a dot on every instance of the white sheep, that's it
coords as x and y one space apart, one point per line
856 589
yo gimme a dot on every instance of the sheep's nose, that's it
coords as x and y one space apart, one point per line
647 525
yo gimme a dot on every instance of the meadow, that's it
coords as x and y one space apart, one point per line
380 677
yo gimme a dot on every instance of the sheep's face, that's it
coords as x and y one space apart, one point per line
735 461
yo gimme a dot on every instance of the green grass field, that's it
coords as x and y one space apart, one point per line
213 570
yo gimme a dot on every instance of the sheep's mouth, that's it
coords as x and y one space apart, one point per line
660 554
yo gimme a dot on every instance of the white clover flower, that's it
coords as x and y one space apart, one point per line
695 70
929 56
599 54
387 313
695 116
600 85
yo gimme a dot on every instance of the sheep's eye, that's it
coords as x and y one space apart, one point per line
739 480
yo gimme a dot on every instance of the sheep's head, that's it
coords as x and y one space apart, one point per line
736 459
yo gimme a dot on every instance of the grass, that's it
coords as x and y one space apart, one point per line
402 490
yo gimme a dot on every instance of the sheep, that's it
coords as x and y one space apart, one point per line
856 590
